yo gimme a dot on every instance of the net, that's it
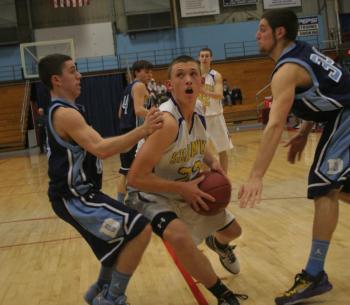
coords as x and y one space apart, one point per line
32 52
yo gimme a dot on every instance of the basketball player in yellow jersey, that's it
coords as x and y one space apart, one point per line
211 95
165 188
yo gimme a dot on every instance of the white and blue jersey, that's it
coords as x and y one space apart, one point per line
73 172
328 101
330 90
128 117
75 180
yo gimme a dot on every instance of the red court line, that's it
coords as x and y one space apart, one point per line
39 242
27 219
189 280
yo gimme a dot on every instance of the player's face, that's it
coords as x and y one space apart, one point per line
185 81
205 58
69 80
265 37
144 75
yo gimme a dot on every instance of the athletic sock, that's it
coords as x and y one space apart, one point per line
105 276
220 245
118 285
317 257
218 289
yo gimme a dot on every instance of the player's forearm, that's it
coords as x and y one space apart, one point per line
213 95
269 143
305 128
141 112
114 145
152 183
208 158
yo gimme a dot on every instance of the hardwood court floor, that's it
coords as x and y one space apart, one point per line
45 262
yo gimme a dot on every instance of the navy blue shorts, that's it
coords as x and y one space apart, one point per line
106 224
331 166
126 160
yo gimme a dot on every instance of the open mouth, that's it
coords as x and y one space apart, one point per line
189 90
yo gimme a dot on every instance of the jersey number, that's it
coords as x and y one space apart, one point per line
188 173
327 64
125 104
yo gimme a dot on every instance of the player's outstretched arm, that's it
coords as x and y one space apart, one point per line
71 125
283 91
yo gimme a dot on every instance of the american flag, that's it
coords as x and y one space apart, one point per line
70 3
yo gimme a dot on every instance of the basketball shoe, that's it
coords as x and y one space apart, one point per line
101 299
305 287
227 257
91 293
230 298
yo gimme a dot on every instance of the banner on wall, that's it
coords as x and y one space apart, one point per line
228 3
194 8
308 26
281 3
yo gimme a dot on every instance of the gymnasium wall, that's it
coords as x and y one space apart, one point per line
214 36
248 74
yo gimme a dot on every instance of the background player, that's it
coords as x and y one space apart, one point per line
117 235
211 97
164 172
316 89
132 113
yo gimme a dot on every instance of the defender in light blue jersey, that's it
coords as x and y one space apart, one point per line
117 234
315 89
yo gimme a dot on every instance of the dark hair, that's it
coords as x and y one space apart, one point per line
206 50
140 65
182 59
51 65
283 17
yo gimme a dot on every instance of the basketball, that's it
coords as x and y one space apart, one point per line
219 187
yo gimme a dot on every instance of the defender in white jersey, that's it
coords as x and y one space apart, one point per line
211 96
165 187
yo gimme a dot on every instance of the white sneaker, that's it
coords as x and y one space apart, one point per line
227 257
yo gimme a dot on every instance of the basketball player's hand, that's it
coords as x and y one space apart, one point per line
249 194
216 166
153 120
194 196
296 146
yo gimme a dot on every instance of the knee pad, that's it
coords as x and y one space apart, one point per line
161 221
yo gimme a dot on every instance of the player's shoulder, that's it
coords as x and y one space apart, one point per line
214 72
68 116
216 75
289 70
138 85
171 112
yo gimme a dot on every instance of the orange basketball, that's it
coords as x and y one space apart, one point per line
219 187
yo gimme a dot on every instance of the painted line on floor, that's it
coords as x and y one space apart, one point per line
201 300
39 242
